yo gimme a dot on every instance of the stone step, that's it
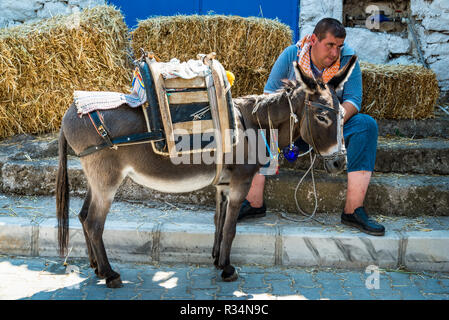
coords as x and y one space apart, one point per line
400 155
437 127
394 154
151 232
388 194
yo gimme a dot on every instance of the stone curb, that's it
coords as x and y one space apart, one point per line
268 245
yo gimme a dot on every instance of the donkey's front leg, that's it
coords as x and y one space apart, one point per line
239 187
222 197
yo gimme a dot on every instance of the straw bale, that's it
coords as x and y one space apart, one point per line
246 46
398 91
41 64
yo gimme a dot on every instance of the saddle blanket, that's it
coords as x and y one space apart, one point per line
88 101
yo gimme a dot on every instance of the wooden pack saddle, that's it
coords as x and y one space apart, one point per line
198 111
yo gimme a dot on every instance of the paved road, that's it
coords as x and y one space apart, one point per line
39 278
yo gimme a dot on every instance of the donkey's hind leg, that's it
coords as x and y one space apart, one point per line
82 217
94 226
104 180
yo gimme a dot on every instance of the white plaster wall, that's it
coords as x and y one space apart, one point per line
432 28
376 47
16 12
312 11
432 24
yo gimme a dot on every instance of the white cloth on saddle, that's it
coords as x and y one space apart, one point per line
88 101
187 70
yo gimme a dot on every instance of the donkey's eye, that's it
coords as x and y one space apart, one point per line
321 118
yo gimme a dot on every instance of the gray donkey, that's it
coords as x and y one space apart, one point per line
313 103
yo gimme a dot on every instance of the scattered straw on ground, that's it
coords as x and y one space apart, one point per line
41 64
246 46
399 91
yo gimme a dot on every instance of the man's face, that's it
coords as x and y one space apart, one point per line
326 51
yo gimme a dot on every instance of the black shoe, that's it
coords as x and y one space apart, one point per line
247 212
359 219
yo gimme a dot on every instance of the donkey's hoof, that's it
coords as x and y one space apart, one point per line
114 281
229 274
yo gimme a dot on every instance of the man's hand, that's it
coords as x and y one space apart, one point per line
350 110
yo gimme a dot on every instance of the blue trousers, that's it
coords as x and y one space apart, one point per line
360 133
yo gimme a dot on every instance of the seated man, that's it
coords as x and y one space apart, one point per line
322 54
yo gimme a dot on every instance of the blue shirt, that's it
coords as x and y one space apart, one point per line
283 69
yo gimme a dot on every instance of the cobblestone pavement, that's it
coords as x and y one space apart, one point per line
39 278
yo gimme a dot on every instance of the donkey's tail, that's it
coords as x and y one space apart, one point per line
62 196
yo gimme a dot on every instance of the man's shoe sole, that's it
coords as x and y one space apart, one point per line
355 225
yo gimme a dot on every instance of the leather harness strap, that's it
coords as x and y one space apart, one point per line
100 127
137 138
96 119
307 111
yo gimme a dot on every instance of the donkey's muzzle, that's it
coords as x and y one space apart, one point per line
335 165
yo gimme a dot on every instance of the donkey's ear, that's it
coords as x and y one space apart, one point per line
342 76
307 82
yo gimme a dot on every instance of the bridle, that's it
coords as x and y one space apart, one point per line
308 106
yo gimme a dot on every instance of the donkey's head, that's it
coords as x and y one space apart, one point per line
321 118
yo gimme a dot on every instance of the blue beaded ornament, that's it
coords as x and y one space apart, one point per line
291 153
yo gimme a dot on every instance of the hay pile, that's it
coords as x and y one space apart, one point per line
398 91
246 46
42 63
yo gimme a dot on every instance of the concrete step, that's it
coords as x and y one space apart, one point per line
394 154
388 193
400 155
411 179
437 127
149 231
